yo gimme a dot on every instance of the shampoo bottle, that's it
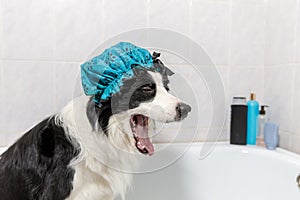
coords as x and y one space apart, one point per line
238 122
261 120
252 119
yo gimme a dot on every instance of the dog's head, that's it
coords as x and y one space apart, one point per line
142 100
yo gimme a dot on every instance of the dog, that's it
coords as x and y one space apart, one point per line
81 152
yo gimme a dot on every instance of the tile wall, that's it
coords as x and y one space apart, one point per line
255 46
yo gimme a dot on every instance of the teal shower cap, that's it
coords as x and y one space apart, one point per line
102 76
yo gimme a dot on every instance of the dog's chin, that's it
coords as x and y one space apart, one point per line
140 129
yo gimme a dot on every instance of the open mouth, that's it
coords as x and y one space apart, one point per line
139 127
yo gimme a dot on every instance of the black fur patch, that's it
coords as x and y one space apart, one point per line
36 166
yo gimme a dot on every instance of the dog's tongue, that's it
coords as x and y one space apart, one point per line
143 143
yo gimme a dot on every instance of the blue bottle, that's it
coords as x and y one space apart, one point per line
253 110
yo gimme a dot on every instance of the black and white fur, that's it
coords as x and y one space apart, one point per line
79 153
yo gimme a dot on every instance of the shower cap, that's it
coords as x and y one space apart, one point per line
103 75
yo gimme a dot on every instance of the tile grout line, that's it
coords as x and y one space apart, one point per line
264 50
229 49
54 54
78 61
102 19
229 66
1 31
41 61
190 17
148 13
2 143
292 105
292 114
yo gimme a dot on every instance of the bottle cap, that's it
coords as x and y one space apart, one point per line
262 109
252 96
239 100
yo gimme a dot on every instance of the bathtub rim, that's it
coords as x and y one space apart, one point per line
224 146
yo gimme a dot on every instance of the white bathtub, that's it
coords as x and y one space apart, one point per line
228 173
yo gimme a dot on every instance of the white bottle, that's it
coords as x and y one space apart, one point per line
261 120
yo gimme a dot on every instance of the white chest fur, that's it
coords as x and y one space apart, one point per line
99 182
103 166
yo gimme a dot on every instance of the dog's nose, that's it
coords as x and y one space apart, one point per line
182 111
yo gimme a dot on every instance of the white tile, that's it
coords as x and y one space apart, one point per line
296 144
224 75
1 101
1 31
123 15
67 83
78 28
27 29
280 31
210 28
190 86
225 135
3 140
247 32
8 138
298 35
1 69
171 14
244 80
296 102
177 132
188 135
213 135
278 93
27 96
285 140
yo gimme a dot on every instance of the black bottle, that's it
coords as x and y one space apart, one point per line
238 123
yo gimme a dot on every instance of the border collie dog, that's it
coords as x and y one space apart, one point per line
80 152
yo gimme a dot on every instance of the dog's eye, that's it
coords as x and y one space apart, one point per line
148 88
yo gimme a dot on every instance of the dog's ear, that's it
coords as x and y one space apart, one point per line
160 67
98 115
46 142
155 55
93 112
168 71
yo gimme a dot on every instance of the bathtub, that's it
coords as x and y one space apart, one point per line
229 172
